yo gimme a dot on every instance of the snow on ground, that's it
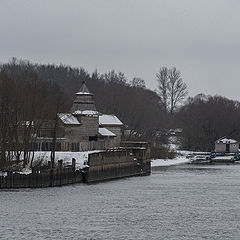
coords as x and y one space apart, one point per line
3 174
26 171
169 162
180 159
80 157
45 156
223 158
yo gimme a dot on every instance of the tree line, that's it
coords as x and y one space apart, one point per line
25 100
205 119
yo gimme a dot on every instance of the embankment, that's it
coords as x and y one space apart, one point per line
101 166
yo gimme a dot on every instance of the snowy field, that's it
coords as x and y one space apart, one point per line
44 157
80 157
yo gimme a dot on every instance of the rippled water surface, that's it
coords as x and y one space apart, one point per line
181 202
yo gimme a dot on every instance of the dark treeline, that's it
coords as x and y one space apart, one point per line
24 98
205 119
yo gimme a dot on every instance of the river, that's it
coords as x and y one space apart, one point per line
178 202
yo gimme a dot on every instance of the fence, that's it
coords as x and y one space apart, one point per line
46 145
42 178
111 164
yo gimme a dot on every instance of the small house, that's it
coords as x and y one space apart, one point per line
226 145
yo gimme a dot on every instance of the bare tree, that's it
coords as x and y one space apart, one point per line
171 88
6 117
162 79
138 82
114 77
176 89
54 134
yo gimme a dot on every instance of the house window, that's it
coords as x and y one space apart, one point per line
93 138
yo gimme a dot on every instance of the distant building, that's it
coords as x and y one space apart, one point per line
226 145
84 128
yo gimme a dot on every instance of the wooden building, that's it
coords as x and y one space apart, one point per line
83 128
226 145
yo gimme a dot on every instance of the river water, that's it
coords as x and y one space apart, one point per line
180 202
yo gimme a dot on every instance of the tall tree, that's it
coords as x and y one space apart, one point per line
171 88
4 118
176 88
162 79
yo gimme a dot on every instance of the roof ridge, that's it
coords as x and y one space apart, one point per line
84 88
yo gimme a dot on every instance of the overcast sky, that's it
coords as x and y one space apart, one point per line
200 37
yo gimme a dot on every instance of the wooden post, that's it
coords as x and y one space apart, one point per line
73 173
51 178
74 164
49 164
10 176
60 164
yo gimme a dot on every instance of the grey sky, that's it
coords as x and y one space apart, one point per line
200 37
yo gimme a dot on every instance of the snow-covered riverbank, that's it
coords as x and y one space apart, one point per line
180 159
169 162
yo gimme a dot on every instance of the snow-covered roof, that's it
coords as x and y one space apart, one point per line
83 93
226 140
85 112
109 120
68 118
106 133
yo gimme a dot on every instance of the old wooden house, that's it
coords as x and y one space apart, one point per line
83 128
226 145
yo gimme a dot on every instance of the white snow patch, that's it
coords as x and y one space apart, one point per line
109 120
26 171
224 158
81 157
226 140
3 174
86 112
106 133
170 162
68 118
83 93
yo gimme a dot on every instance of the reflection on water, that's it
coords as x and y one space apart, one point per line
178 202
